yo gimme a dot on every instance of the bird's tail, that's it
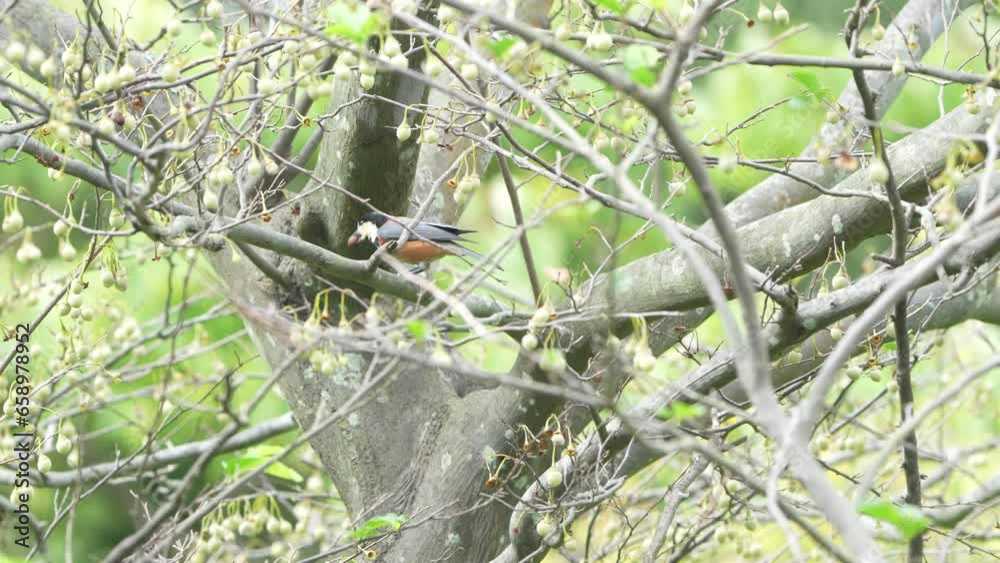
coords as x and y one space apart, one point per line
471 255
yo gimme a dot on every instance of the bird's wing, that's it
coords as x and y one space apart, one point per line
450 228
433 232
390 230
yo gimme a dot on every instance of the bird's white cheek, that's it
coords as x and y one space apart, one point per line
368 231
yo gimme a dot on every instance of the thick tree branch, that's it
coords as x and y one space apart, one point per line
162 458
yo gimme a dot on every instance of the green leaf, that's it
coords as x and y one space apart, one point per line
811 84
444 279
640 62
680 411
613 5
352 20
379 525
264 451
257 456
909 520
419 328
282 471
644 76
499 47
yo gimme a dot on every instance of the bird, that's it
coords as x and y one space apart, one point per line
427 241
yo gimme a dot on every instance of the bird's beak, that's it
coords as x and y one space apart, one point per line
365 230
355 238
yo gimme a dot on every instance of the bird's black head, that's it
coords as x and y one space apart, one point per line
378 219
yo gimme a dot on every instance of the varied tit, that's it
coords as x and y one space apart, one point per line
427 242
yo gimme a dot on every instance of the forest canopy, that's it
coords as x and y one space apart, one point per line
499 280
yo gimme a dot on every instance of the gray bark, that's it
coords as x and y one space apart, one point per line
416 448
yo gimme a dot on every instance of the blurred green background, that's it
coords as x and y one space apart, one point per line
564 241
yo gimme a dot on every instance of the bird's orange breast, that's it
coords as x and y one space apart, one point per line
419 251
